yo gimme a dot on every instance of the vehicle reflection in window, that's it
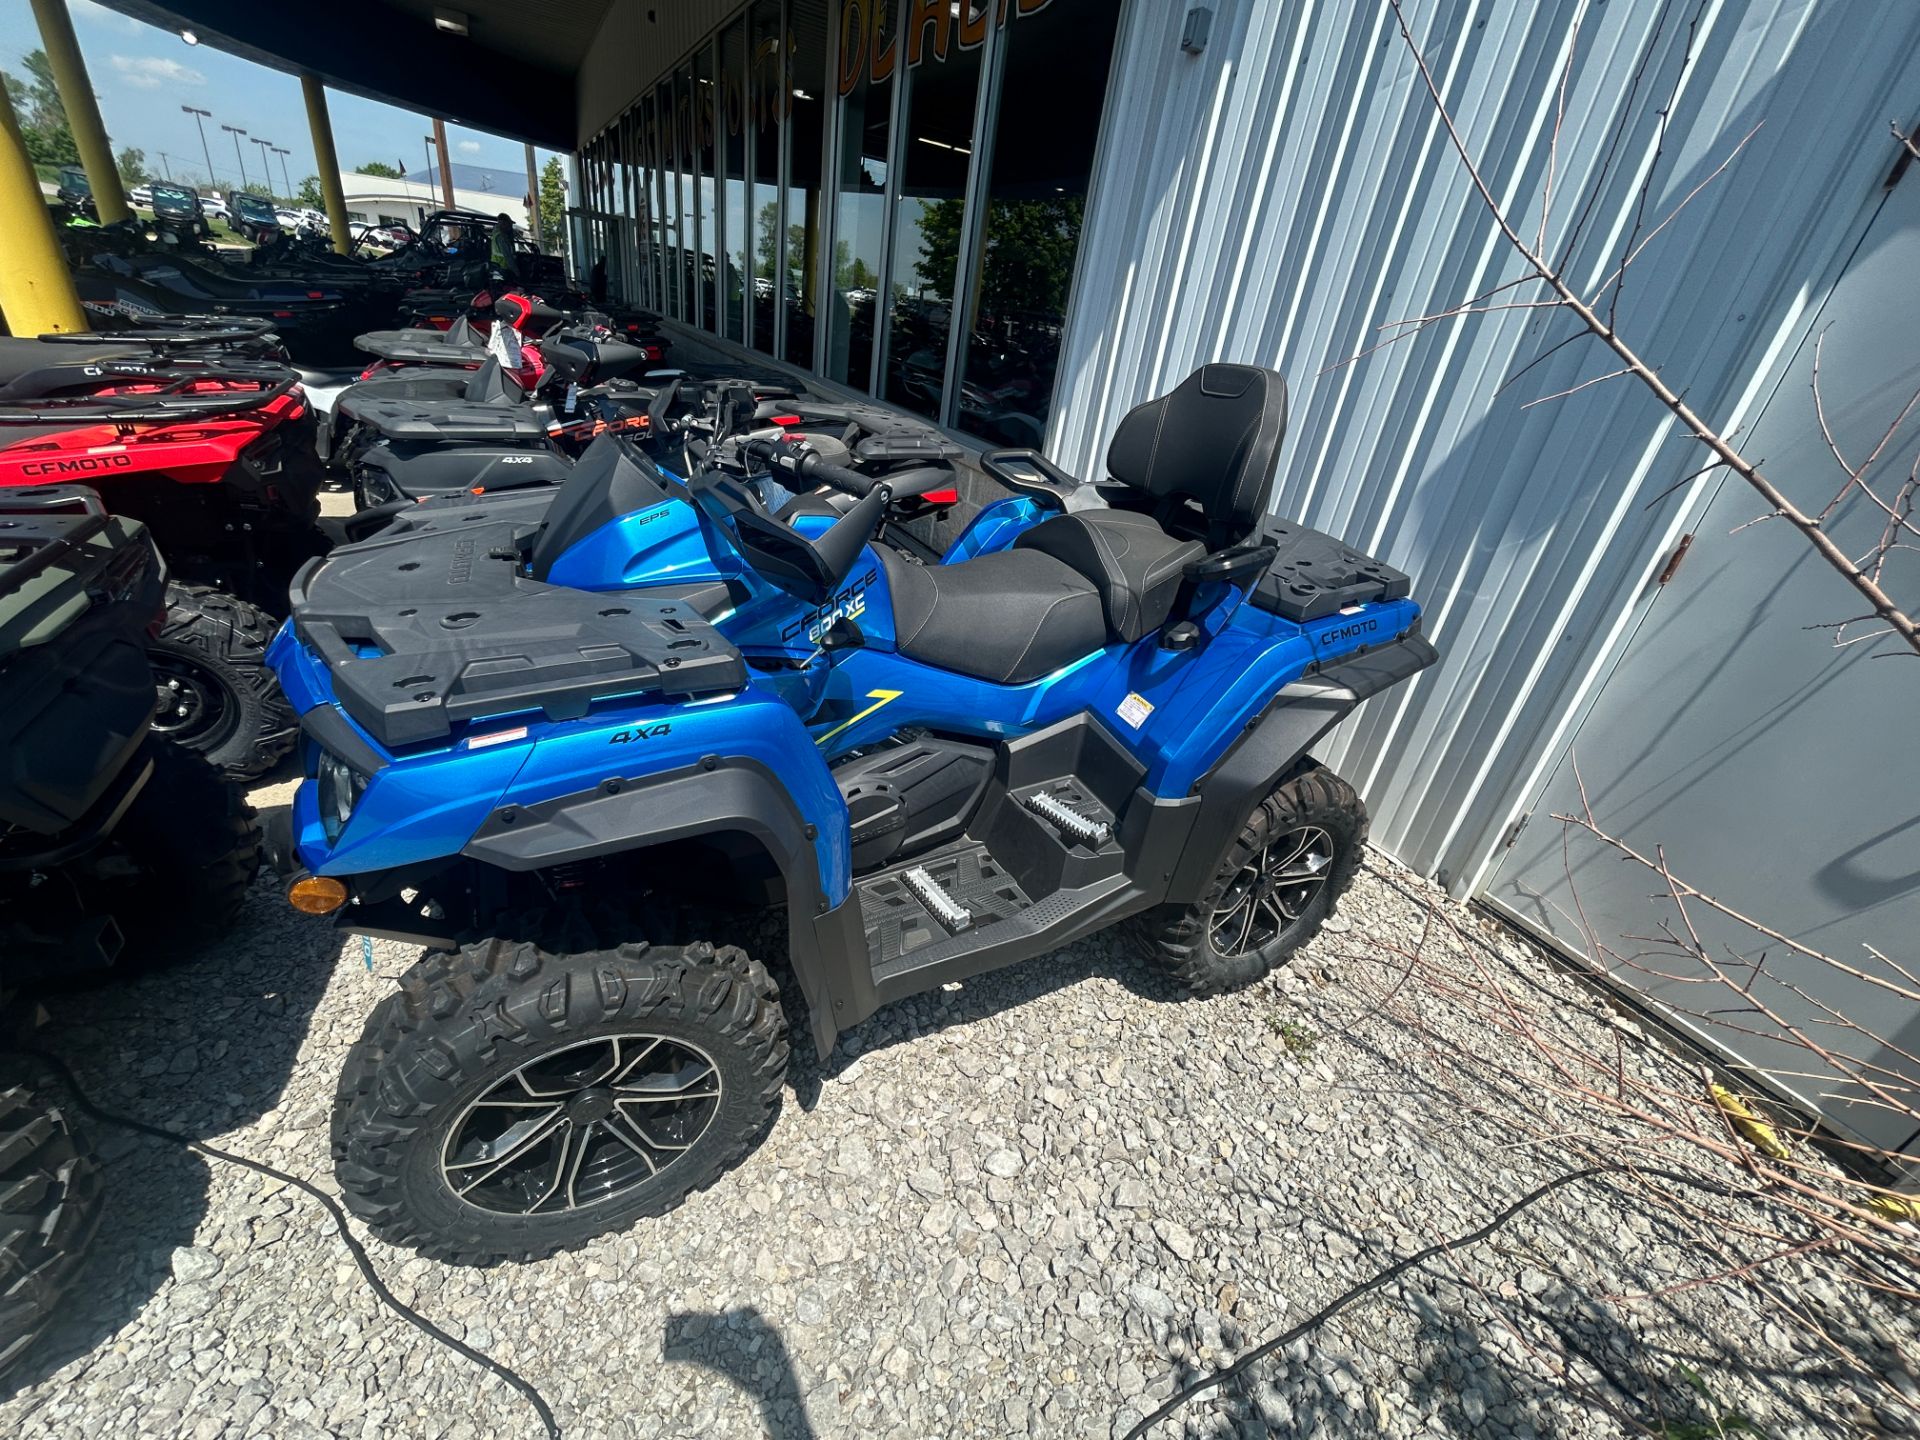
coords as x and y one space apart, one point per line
1053 84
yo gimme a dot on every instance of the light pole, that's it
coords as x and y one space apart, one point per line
237 132
198 116
266 165
283 171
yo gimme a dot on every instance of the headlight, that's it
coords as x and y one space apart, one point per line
340 789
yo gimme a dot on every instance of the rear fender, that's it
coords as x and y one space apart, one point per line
1277 741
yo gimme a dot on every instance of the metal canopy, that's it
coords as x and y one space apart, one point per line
514 73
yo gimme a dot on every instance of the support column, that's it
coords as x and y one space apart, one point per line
446 175
36 289
329 163
83 115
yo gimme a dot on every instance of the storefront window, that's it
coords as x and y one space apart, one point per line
868 53
1052 83
731 90
936 152
807 97
714 196
766 104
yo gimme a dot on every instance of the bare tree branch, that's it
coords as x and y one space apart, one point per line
1864 580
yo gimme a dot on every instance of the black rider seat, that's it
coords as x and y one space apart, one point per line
1194 472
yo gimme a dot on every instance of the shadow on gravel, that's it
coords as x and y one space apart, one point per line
1465 1380
744 1347
763 935
201 1047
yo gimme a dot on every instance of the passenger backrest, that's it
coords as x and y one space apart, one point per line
1214 441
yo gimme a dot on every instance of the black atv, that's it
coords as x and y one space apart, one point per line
116 846
178 218
206 437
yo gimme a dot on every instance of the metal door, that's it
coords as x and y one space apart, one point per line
1773 770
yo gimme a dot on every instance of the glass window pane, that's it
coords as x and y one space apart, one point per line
705 219
867 56
766 98
807 94
936 150
649 217
683 111
1054 83
732 100
672 112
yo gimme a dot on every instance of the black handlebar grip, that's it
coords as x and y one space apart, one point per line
808 466
825 472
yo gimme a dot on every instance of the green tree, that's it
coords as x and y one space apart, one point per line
378 168
764 253
553 206
37 97
310 195
1030 245
43 120
132 165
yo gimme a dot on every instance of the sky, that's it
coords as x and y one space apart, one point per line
143 75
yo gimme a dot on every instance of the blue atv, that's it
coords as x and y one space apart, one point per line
564 737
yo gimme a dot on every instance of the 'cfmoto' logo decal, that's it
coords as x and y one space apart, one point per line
78 465
1355 631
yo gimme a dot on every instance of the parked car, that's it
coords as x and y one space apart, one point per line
179 215
213 207
74 192
141 195
254 216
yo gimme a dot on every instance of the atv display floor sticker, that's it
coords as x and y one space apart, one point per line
1135 709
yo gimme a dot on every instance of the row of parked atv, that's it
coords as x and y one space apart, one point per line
612 654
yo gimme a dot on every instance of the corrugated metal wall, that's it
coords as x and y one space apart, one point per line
1281 196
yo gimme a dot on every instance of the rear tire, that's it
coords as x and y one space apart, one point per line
216 694
195 845
50 1201
566 1095
1292 861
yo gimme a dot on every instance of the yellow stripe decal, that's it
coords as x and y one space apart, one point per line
879 697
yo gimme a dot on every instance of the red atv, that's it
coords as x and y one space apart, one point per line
202 433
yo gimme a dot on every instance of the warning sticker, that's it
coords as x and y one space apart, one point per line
1134 710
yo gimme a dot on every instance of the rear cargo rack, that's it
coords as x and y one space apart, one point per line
1315 575
430 627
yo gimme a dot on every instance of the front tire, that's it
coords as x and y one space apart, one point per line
215 693
509 1102
50 1197
1292 861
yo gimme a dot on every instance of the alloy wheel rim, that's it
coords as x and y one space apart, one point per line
581 1125
1271 892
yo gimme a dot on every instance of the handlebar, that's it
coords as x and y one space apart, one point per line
807 466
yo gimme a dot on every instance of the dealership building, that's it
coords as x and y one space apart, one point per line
1019 218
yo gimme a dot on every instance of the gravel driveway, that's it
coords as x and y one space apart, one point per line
1019 1207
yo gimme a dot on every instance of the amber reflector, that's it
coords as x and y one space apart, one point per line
316 894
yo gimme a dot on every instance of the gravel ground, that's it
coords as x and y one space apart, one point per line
1029 1205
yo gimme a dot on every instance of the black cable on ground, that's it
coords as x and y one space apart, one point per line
360 1257
1400 1267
